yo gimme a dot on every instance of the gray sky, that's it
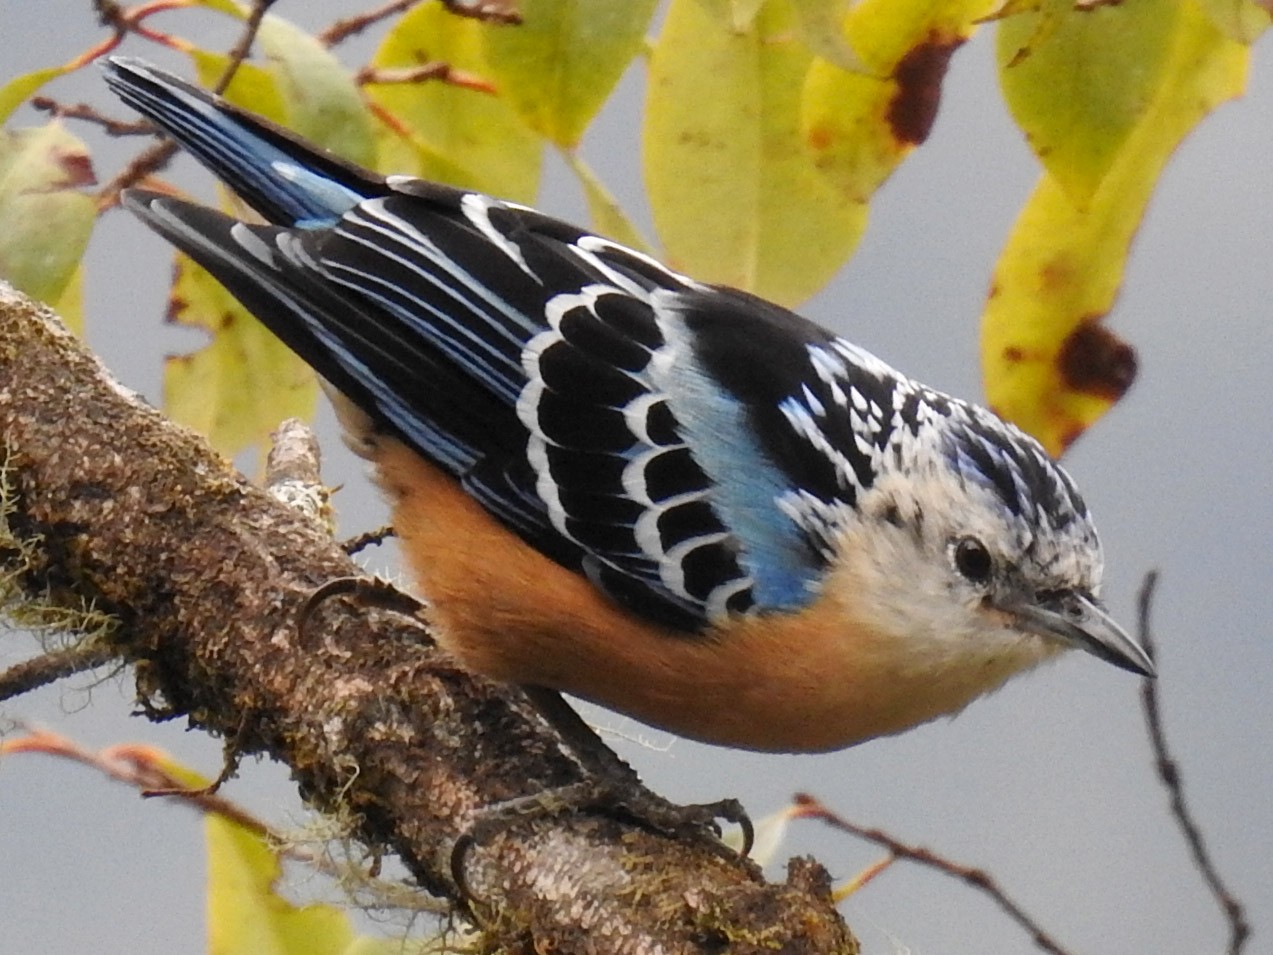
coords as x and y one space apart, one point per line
1047 784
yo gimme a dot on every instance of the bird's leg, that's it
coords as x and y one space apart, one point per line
616 786
610 784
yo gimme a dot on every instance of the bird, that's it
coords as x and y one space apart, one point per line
674 499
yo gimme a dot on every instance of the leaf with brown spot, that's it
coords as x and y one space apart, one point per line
919 77
860 124
1095 361
1050 365
45 220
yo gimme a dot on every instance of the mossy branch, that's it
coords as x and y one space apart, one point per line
119 510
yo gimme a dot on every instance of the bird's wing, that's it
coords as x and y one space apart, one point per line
624 420
681 445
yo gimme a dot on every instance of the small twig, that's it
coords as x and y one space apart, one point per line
490 11
1169 773
124 20
342 30
239 52
90 114
367 539
433 70
55 665
148 161
157 156
977 878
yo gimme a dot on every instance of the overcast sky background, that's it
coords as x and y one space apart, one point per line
1048 784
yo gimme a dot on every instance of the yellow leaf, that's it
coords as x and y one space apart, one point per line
252 87
1050 365
462 136
861 123
822 28
246 916
238 387
45 220
1081 87
70 304
558 67
734 192
16 92
1240 20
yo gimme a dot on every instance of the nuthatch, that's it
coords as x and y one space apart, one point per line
675 499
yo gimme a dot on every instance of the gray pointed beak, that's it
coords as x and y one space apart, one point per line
1078 620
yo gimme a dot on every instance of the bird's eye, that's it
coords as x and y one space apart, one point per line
973 560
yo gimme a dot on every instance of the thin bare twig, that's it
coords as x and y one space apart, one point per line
342 30
1169 773
433 70
90 114
157 156
367 539
977 878
53 666
490 11
239 52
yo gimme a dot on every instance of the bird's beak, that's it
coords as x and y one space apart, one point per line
1080 621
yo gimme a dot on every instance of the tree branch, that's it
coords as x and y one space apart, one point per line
137 517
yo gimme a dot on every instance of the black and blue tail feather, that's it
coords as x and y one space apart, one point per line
287 181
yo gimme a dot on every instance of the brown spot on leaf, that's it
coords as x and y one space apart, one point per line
1057 273
919 76
819 137
1094 360
76 168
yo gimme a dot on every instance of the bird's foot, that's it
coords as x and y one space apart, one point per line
366 591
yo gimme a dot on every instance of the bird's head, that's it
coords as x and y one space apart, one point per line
982 553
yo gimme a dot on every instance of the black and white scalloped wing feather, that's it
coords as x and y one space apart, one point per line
694 451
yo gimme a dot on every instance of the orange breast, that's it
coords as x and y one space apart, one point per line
812 680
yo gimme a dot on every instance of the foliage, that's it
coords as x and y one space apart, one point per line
768 126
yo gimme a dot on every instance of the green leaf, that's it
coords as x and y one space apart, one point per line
1050 365
735 195
324 103
19 89
70 304
304 88
560 65
1081 86
237 388
447 132
45 220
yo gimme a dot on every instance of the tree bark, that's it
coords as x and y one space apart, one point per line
118 507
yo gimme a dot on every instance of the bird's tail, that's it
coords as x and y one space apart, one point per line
284 179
